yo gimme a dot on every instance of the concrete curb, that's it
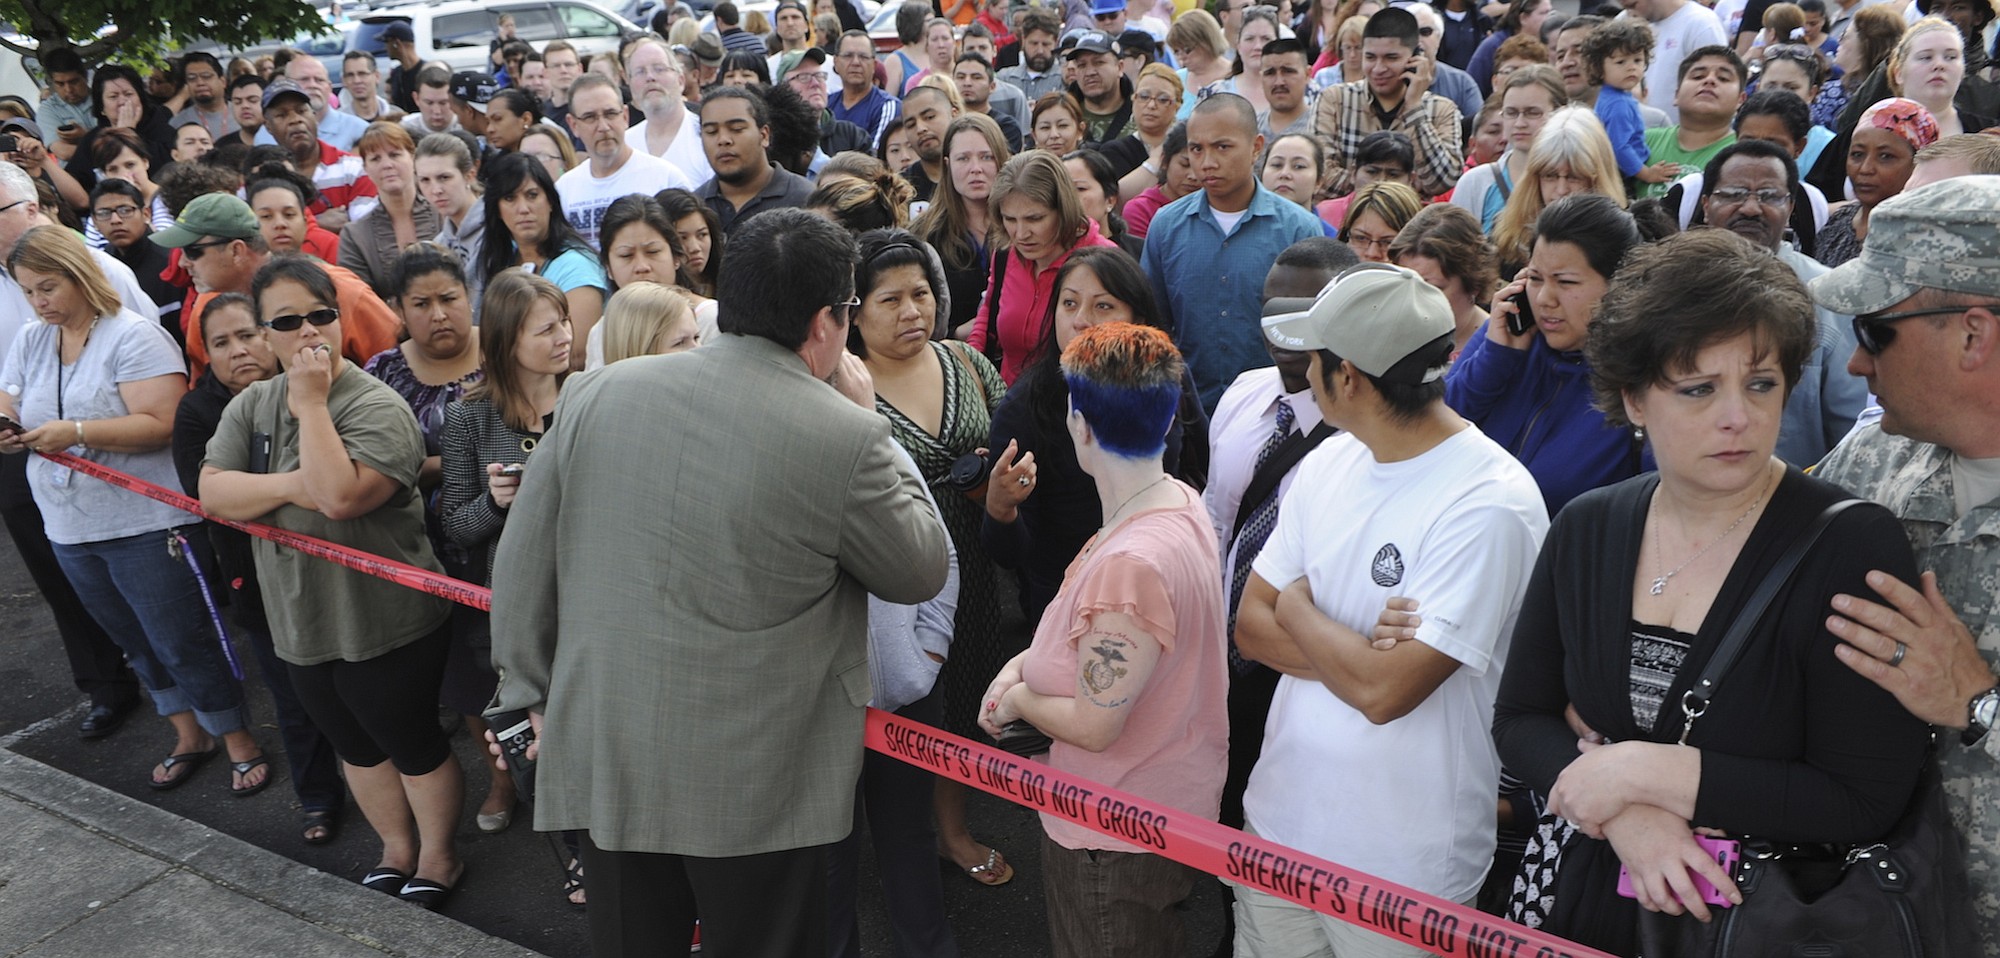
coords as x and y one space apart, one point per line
248 879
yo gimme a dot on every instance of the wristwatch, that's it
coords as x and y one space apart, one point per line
1981 714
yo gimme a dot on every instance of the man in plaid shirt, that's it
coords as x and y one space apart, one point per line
1393 95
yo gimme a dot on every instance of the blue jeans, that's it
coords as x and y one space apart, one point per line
150 604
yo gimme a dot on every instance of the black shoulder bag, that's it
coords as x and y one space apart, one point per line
1902 897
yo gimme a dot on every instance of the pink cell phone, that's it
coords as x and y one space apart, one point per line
1726 852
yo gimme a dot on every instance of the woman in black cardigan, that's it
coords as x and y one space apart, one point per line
1638 581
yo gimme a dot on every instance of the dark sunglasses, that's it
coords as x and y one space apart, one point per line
1873 332
193 251
290 323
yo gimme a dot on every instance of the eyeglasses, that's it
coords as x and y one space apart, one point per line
113 212
1517 113
1792 51
1873 332
601 116
1160 99
10 206
807 78
1557 176
291 322
193 251
1737 196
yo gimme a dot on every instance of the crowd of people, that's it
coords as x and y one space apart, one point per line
1381 414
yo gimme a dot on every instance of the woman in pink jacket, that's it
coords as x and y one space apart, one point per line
1038 210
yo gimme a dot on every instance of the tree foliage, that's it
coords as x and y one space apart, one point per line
100 29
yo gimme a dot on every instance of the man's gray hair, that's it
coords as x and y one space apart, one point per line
15 184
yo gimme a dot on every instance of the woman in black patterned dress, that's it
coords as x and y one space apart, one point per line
938 397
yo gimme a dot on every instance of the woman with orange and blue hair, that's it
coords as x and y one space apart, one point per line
1126 673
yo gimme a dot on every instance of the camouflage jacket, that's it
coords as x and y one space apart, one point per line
1913 479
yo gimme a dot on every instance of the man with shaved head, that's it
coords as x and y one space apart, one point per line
1208 252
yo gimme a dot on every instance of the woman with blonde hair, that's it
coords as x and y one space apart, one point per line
1928 66
1528 98
550 147
1374 217
1571 155
1044 222
1198 43
958 224
648 319
99 381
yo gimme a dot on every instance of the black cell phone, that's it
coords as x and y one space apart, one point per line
67 126
9 143
9 427
516 733
260 452
1524 316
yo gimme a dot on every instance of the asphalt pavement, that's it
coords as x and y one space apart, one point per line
93 861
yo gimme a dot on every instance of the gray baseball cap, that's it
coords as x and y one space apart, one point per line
1384 319
1941 236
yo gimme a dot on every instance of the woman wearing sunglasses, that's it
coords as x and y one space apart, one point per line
326 450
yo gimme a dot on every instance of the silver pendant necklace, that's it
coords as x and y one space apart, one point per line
1660 581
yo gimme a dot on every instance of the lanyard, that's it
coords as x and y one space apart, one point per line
60 414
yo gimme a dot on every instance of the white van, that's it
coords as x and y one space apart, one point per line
457 32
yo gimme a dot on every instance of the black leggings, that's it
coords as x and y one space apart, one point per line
381 709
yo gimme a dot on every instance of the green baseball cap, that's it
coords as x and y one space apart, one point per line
212 214
791 59
1939 236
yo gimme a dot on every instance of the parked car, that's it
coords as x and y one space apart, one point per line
457 32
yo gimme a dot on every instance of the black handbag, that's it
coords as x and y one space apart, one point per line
1905 896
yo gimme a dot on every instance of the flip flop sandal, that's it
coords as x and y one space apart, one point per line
994 873
324 819
573 883
386 880
245 768
192 760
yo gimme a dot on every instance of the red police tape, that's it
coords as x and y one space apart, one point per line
1426 921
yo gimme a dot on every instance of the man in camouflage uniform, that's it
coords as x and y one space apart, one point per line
1925 293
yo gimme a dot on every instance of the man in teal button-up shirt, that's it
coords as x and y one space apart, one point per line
1208 252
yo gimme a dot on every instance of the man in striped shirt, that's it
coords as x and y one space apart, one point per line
345 191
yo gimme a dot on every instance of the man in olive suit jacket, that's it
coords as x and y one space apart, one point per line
682 591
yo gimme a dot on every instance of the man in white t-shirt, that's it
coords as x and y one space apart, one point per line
671 132
597 115
1382 759
1680 27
